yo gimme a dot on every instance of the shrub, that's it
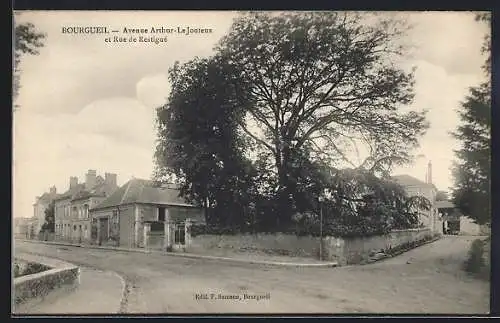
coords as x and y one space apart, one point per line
475 261
28 268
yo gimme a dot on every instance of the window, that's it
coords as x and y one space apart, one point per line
74 228
161 214
157 226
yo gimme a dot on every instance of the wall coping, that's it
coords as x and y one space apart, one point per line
35 276
325 236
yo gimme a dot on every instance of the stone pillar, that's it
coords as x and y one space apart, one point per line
137 224
168 236
187 232
147 229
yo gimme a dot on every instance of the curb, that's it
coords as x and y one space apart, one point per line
195 256
388 256
248 261
85 246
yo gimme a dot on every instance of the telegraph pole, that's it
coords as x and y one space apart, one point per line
320 228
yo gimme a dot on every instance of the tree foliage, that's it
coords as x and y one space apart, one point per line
258 131
472 171
27 41
323 80
49 224
361 203
199 141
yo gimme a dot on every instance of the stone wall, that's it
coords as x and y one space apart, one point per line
356 250
281 244
29 287
155 240
342 250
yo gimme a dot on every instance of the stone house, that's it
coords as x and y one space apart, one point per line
141 214
72 209
415 187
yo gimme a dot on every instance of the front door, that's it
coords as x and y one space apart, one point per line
103 230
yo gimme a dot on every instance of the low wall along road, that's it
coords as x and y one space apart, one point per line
32 288
343 250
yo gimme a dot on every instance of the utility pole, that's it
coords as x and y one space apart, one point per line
320 228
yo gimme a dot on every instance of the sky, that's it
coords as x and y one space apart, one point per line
90 104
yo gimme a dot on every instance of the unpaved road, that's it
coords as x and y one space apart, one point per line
425 280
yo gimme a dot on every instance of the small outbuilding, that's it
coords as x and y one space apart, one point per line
141 214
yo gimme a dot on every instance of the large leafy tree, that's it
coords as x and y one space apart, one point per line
27 41
199 141
323 82
472 171
357 203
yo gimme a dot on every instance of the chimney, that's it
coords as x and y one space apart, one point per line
53 190
90 179
73 182
110 180
429 173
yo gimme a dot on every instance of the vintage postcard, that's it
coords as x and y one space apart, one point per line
209 162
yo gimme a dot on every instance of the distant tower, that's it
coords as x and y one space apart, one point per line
428 179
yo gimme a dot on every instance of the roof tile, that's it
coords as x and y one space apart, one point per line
142 191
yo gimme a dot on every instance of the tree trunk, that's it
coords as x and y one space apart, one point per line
285 203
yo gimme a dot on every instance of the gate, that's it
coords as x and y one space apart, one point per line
103 230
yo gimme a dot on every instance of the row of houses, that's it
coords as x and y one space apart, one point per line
136 215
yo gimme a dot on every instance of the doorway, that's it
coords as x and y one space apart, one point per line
179 236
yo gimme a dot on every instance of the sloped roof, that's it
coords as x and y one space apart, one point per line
444 205
142 191
80 192
100 189
47 197
407 180
72 192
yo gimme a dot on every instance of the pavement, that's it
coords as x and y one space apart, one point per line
98 292
425 280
